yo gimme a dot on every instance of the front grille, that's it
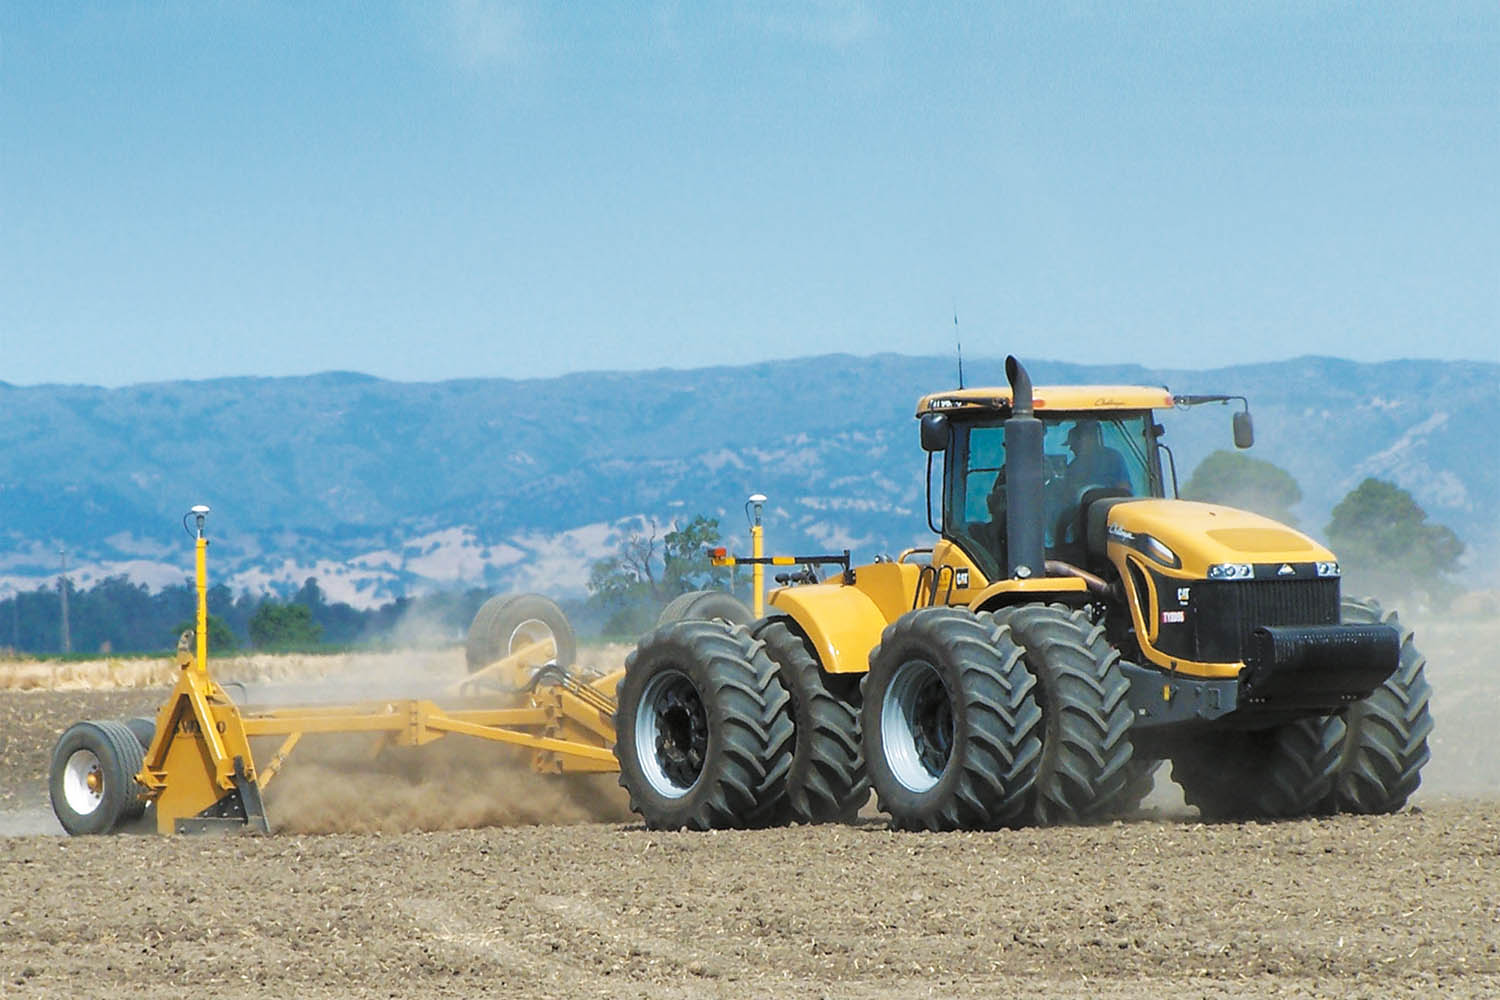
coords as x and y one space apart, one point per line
1227 612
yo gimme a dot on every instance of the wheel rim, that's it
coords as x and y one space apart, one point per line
671 734
83 782
916 726
529 632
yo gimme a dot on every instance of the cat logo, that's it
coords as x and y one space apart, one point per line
961 578
1285 570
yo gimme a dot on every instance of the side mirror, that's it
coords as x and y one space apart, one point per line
1244 430
934 432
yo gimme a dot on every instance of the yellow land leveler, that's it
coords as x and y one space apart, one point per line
195 761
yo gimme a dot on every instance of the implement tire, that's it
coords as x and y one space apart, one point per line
705 605
1385 744
951 727
509 622
826 781
1082 693
92 779
1287 770
144 730
703 729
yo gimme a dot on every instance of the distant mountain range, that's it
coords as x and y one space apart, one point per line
382 488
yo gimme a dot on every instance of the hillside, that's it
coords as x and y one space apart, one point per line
379 487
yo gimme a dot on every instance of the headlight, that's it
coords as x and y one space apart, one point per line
1328 569
1231 571
1157 550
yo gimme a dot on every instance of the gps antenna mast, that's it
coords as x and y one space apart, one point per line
960 344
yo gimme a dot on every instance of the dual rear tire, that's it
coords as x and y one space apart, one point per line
704 729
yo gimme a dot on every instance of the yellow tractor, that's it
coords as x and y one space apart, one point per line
1073 626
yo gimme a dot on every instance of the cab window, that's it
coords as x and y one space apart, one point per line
1107 451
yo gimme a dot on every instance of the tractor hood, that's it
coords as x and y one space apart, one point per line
1201 535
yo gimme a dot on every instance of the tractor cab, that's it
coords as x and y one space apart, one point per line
1097 442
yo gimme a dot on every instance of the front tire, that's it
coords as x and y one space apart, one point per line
951 724
92 779
1287 770
826 781
703 729
1385 745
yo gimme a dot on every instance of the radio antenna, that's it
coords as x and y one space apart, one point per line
960 344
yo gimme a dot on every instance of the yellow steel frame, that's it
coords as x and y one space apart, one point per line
201 764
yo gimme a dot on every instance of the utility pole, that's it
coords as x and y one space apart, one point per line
62 589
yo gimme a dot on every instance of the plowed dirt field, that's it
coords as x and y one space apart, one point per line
555 892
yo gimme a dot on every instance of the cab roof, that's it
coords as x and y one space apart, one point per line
1064 398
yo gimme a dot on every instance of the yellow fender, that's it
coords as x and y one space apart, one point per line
843 623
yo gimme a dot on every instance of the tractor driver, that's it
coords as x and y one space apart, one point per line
1094 463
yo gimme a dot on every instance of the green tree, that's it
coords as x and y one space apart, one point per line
284 626
220 636
648 570
1253 484
1385 542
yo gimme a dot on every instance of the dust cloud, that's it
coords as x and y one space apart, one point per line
337 786
1463 667
352 783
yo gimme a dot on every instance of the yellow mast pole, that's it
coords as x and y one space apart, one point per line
200 544
757 550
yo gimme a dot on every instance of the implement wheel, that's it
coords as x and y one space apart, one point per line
1284 771
511 622
703 729
705 605
1086 747
92 779
827 780
950 722
1386 741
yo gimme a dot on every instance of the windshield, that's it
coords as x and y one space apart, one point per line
1106 452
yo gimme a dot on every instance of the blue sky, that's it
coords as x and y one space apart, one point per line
491 188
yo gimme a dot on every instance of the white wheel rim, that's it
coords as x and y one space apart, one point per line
83 782
666 731
906 730
530 632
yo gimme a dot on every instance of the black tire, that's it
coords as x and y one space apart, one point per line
1086 712
952 730
1284 771
703 729
1385 745
826 781
92 779
506 623
705 605
1140 781
143 729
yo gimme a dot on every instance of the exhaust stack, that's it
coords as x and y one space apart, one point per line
1025 551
